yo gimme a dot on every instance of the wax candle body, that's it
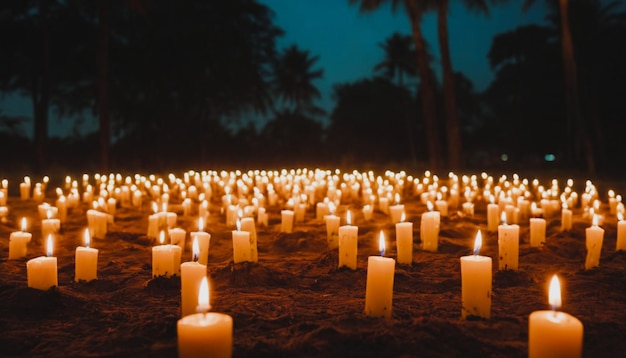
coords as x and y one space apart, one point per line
191 274
177 237
18 244
205 335
554 334
395 213
247 224
166 260
348 245
42 272
537 232
508 247
86 264
204 239
97 224
442 207
429 230
241 246
332 230
476 286
404 242
50 227
321 210
286 223
468 209
594 236
493 217
368 212
383 205
379 286
621 236
566 219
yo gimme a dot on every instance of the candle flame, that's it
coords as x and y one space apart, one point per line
620 216
24 224
238 223
403 217
200 224
397 198
595 220
554 295
195 249
86 238
381 243
331 208
155 207
348 218
49 214
49 246
162 237
203 296
478 242
503 218
430 206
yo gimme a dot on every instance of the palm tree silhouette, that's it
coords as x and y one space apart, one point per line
399 58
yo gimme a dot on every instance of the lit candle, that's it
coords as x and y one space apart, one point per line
97 223
286 223
86 261
25 189
262 218
566 218
191 274
18 242
441 205
594 236
321 210
404 241
476 283
429 229
621 232
247 224
493 213
241 244
204 239
50 226
332 227
165 258
379 283
537 232
42 271
205 334
552 333
508 245
178 237
383 204
368 212
396 210
348 243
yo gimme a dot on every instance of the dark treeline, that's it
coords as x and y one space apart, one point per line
178 86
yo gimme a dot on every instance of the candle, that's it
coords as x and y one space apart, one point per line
552 333
241 244
429 229
321 210
165 258
18 242
332 228
441 206
476 283
42 271
368 212
621 233
97 223
508 245
348 243
594 236
191 274
231 215
177 237
566 218
404 241
86 261
262 217
468 208
396 210
50 226
247 224
379 283
383 204
205 334
204 239
286 223
493 212
25 189
537 232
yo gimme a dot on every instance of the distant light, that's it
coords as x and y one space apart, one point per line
504 157
549 157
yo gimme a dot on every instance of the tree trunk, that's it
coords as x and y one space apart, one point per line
407 123
102 63
41 95
427 89
449 95
572 102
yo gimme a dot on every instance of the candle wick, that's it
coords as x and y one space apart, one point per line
195 257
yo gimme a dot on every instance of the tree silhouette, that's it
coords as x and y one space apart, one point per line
399 58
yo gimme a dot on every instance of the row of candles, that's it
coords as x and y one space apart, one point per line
379 288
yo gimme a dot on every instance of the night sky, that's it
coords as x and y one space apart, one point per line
347 43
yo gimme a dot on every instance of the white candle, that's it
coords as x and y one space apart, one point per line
468 208
286 223
42 271
191 274
348 244
262 217
61 205
205 334
368 212
566 218
404 241
241 244
594 236
508 245
97 224
321 210
553 333
247 224
86 261
165 258
18 242
50 226
493 214
204 240
621 233
476 283
231 215
177 237
299 212
537 232
379 283
442 207
25 189
429 229
332 230
396 210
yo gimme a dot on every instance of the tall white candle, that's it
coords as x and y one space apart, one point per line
379 283
42 271
177 237
241 244
247 224
86 261
476 283
165 258
594 236
286 223
204 240
553 333
429 229
537 232
332 230
508 245
396 210
18 242
205 334
348 243
493 214
566 218
50 226
191 274
25 189
404 241
621 233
